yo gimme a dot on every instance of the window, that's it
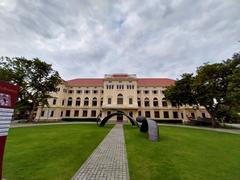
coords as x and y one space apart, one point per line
130 101
52 113
54 101
155 91
138 91
86 101
70 91
164 102
120 99
146 102
146 91
68 113
109 112
139 113
86 91
94 101
93 113
182 115
95 92
69 103
61 114
102 91
42 113
203 115
130 114
175 114
139 102
79 91
155 102
174 104
156 114
85 113
109 100
101 101
63 102
78 101
76 113
165 114
147 114
193 115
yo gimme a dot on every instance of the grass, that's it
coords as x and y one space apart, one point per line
183 153
49 152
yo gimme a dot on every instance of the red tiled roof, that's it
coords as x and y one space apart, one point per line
141 82
155 82
85 82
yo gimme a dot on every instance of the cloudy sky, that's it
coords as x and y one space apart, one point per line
151 38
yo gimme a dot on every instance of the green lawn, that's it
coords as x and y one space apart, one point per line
183 153
49 152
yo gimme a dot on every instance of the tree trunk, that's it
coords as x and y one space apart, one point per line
213 118
31 116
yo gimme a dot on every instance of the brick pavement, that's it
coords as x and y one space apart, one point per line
108 161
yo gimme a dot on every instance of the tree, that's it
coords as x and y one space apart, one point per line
35 78
215 86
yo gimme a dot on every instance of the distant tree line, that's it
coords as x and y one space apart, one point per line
35 78
215 86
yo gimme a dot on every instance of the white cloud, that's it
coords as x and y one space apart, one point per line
91 38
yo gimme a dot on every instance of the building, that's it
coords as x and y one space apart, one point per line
87 99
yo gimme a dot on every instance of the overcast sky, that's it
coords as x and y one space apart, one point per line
152 38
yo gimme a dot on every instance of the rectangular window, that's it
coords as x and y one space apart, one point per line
76 113
42 113
139 113
156 114
182 115
174 104
85 112
109 101
79 91
52 113
86 91
93 113
175 114
146 91
146 103
95 92
164 104
70 91
54 101
203 115
155 92
130 101
147 114
193 115
68 113
61 113
165 114
138 91
62 102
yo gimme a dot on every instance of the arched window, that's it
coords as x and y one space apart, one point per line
146 102
78 101
155 102
139 102
86 101
94 101
69 103
120 99
164 102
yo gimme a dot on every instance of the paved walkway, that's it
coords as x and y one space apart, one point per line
108 161
232 131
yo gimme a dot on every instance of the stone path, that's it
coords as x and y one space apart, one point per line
108 161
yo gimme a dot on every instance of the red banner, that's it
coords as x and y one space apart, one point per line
8 99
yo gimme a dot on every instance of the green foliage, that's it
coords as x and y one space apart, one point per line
215 86
35 78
